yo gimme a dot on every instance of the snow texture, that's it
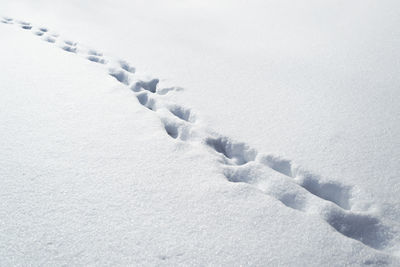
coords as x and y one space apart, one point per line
129 175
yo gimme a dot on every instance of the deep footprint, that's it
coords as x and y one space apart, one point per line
150 86
277 164
70 43
171 130
234 153
96 59
7 20
330 191
182 113
50 39
70 49
120 75
124 65
364 228
146 101
95 53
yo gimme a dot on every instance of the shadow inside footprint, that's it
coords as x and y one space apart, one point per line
165 91
50 39
327 190
126 66
236 153
95 53
182 113
171 129
364 228
70 49
70 43
120 75
96 59
331 191
145 101
240 175
150 86
7 20
277 164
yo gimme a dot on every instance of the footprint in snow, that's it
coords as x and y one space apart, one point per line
120 75
96 59
25 25
241 161
95 56
150 85
50 39
125 65
182 113
146 101
7 20
177 130
365 228
69 46
94 53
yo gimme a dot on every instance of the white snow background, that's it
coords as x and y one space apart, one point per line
199 133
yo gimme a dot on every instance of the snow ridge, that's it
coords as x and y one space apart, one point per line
296 188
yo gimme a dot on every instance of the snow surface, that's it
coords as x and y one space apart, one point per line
104 163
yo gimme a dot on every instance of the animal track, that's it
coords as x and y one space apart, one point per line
7 20
50 39
94 53
120 75
171 129
165 91
96 59
25 25
146 101
175 129
234 153
125 65
69 49
280 178
330 191
182 113
277 164
70 43
150 86
364 228
69 46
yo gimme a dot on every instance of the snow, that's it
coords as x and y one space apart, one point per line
199 133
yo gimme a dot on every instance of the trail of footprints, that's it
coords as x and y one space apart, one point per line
280 178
